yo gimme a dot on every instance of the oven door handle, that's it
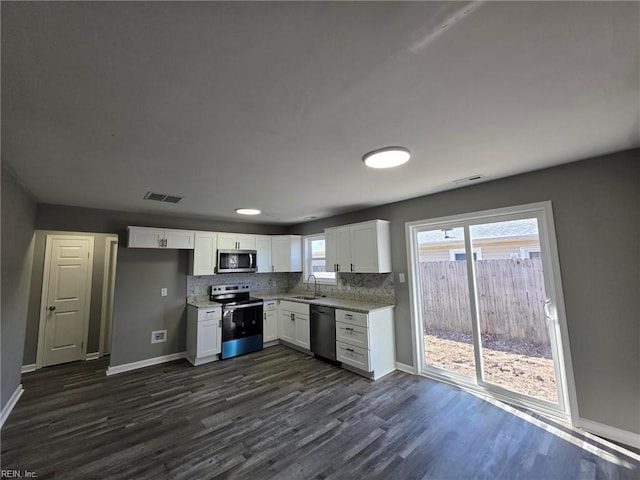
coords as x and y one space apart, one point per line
231 308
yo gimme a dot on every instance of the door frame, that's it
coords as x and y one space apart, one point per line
551 263
108 289
45 295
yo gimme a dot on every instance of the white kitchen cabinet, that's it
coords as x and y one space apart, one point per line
294 324
365 343
286 253
204 334
303 331
338 249
236 241
359 248
270 321
144 237
263 251
204 258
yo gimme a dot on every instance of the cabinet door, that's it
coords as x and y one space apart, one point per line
183 239
263 249
331 249
364 248
209 339
204 254
246 242
270 327
303 335
280 254
227 241
145 237
288 327
344 249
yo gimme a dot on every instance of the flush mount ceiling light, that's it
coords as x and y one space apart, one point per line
387 157
248 211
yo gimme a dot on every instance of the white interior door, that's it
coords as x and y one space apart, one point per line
66 291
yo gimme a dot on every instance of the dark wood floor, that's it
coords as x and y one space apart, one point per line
283 415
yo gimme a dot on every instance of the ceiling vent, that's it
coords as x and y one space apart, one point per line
471 179
161 197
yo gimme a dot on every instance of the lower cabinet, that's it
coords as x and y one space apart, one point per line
294 324
366 342
270 321
204 334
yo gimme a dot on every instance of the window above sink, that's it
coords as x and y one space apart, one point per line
314 258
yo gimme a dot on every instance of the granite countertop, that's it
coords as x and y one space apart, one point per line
202 303
347 304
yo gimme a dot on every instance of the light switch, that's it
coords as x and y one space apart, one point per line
163 292
401 277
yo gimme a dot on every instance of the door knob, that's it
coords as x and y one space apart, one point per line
52 308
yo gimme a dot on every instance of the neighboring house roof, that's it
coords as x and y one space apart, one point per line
515 228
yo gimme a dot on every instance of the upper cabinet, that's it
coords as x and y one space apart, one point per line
203 259
286 253
359 248
236 241
144 237
263 251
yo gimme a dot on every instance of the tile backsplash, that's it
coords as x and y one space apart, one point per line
370 287
374 287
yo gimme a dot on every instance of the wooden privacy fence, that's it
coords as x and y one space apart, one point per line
511 298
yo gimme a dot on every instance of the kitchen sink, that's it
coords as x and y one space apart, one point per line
304 297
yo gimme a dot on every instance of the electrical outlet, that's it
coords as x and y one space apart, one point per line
401 277
158 336
163 292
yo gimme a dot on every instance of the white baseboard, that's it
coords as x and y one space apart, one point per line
93 356
144 363
612 433
10 404
29 368
403 367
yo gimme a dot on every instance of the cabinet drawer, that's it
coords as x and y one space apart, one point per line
353 318
352 334
354 356
294 307
214 313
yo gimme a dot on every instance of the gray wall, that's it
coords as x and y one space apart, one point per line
18 220
596 206
35 292
139 309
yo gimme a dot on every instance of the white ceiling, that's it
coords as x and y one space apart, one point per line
272 105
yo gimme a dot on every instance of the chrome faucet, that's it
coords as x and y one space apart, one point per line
315 285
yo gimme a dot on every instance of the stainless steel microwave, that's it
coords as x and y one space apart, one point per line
237 261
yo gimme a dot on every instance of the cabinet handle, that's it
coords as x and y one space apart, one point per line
219 323
350 329
165 242
352 267
350 350
293 317
264 316
348 315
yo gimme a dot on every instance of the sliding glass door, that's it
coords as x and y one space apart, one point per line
486 302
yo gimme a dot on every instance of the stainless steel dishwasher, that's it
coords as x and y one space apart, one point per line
323 332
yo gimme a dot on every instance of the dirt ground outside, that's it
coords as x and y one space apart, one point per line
523 368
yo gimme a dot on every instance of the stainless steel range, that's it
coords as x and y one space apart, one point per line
241 319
